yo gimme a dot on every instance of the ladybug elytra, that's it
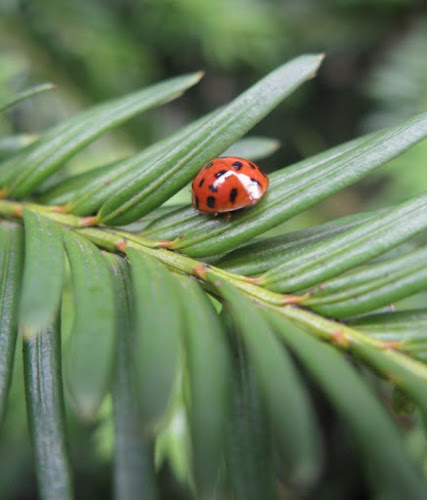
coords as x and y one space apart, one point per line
228 184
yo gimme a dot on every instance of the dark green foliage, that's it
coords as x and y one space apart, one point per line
43 271
46 416
386 463
211 373
89 357
133 459
11 260
157 335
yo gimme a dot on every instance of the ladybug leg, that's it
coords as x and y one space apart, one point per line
215 214
228 216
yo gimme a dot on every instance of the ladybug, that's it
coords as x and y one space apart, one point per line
227 184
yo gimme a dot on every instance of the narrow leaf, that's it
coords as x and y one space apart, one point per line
387 464
372 287
43 273
90 352
134 475
11 263
408 328
177 167
158 330
86 192
249 457
46 414
299 187
165 225
254 148
399 325
76 185
25 172
268 252
209 370
14 143
25 94
345 251
287 404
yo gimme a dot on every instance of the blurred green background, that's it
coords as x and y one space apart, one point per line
374 75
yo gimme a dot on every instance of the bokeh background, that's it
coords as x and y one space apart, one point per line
374 75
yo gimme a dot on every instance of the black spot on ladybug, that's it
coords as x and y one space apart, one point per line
196 201
256 181
208 165
213 188
237 165
201 183
210 201
252 165
233 195
220 172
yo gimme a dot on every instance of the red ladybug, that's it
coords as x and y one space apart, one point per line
227 184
